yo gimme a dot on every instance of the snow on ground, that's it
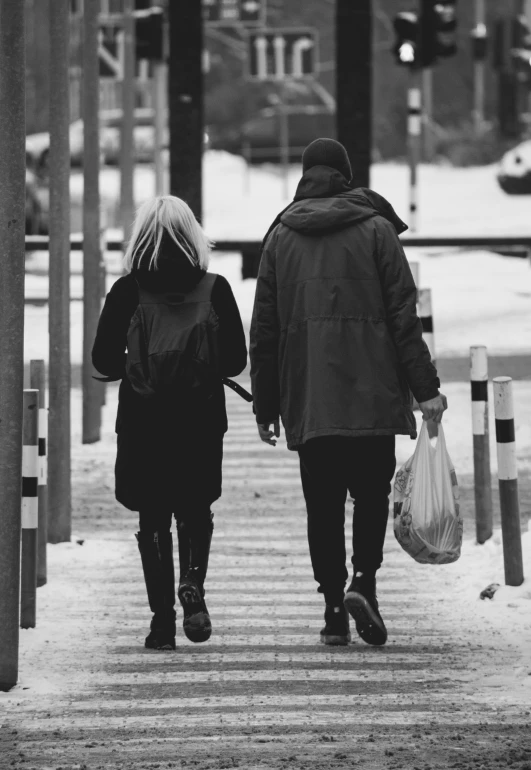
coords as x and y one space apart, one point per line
241 203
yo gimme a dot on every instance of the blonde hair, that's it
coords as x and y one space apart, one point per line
173 215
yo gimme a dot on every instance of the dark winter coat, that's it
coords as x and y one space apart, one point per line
336 342
169 453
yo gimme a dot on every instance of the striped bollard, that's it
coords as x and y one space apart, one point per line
415 272
30 509
414 129
38 381
426 317
480 430
508 481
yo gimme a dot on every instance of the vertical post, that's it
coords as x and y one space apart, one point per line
12 206
415 272
354 66
38 382
160 109
426 318
127 147
30 509
508 481
427 114
59 372
284 148
91 221
479 71
185 82
480 430
246 152
414 129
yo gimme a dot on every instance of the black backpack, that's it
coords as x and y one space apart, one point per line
172 343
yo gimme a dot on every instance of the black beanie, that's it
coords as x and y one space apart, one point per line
327 152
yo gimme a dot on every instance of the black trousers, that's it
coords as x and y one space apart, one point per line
196 518
330 467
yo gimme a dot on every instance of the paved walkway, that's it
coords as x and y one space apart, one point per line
448 690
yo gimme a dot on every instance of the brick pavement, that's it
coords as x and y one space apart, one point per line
448 690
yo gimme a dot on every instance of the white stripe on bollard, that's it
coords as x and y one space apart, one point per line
30 478
508 481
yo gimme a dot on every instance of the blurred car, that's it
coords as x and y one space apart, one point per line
514 173
38 145
259 138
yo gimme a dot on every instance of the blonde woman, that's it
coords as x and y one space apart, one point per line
170 331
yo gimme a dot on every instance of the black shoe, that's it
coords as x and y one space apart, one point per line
336 629
360 600
196 621
156 551
162 634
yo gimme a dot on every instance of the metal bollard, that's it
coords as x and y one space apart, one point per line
508 481
480 430
415 272
426 317
38 381
30 509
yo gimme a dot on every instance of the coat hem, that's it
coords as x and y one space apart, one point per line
294 442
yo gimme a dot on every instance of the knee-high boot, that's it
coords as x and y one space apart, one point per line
195 537
156 552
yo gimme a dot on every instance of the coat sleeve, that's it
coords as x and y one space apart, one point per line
265 335
108 352
233 347
400 300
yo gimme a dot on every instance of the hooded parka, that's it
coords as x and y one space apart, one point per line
169 453
336 342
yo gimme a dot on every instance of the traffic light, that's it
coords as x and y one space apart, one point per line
438 25
479 39
149 35
406 46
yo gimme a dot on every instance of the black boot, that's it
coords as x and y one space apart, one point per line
361 602
336 630
194 549
156 551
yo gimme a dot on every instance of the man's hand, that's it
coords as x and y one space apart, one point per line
267 435
434 408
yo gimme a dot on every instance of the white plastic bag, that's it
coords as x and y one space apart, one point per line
427 523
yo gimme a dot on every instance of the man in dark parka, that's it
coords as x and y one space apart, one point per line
336 350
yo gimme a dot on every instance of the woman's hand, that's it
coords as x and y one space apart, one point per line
267 435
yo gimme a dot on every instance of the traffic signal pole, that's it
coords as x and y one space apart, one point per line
12 197
185 83
479 73
354 67
127 149
414 130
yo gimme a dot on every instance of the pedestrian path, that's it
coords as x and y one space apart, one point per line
448 690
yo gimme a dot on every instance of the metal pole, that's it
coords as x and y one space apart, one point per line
284 149
160 118
59 373
127 146
414 128
30 509
508 481
354 75
426 318
12 206
415 272
480 428
38 382
479 74
427 114
185 94
91 221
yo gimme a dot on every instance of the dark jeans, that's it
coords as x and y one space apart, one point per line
331 466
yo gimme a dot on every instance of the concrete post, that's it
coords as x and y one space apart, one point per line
38 382
480 429
59 373
12 218
127 147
